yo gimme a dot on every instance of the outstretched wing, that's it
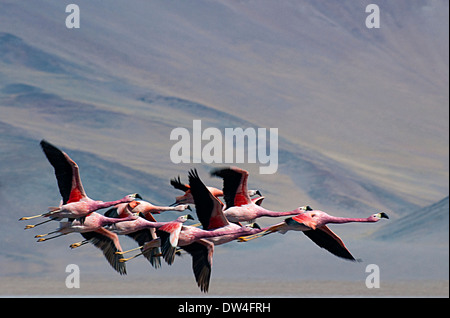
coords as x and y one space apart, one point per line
108 242
235 189
202 253
207 206
325 238
176 183
66 172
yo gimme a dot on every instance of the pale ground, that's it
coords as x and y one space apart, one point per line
184 287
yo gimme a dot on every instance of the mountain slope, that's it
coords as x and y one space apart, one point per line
427 224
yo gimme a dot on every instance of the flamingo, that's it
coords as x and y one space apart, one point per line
75 203
313 223
200 242
187 197
137 229
239 206
146 208
93 230
141 236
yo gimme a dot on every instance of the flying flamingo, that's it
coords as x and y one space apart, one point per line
146 208
141 236
187 197
75 203
93 230
313 224
200 242
138 230
239 206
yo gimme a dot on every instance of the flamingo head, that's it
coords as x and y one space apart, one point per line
132 197
254 225
254 192
305 208
184 218
378 216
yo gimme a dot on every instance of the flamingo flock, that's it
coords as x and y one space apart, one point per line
220 222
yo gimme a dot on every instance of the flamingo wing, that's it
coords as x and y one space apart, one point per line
108 242
66 172
302 219
202 253
169 235
145 236
235 189
207 206
176 183
327 239
141 237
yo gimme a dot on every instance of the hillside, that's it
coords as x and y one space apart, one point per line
362 114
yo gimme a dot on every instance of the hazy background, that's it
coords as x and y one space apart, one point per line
362 116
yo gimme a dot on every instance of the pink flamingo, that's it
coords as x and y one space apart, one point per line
75 203
239 206
147 208
200 242
143 234
313 224
187 197
138 229
93 230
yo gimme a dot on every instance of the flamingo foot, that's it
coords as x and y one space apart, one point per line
30 217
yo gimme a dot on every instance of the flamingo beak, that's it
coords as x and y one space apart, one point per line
189 208
189 217
258 193
137 196
383 215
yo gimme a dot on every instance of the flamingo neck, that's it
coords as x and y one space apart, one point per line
340 220
103 205
264 212
107 221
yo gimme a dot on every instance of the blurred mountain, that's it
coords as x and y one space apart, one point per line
425 225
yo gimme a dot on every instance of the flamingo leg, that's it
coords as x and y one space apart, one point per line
257 235
31 217
123 260
133 249
34 225
78 244
49 238
42 235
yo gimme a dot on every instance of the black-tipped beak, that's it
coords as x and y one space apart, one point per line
384 215
189 217
256 226
189 208
137 196
258 193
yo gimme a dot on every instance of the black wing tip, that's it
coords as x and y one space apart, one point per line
324 241
46 145
193 174
218 172
177 184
